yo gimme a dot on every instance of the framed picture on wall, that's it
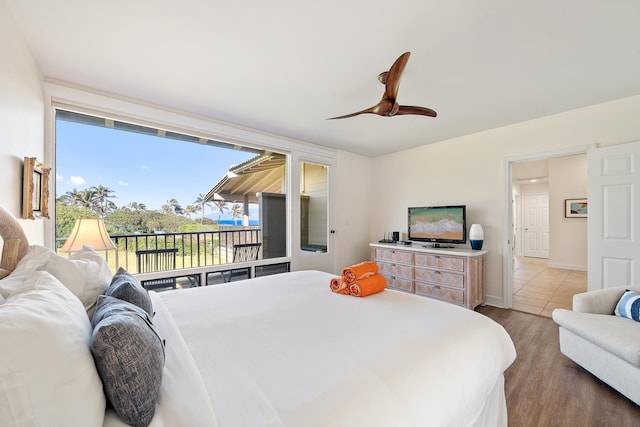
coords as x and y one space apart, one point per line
575 208
35 189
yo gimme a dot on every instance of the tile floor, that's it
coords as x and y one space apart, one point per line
538 289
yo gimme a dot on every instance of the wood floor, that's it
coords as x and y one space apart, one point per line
546 389
538 289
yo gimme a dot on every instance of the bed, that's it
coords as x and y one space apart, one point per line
281 350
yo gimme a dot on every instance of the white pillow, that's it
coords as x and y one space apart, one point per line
9 284
35 259
47 373
85 273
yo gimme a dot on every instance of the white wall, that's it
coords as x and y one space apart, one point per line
568 244
530 169
21 118
470 170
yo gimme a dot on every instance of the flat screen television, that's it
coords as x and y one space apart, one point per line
438 224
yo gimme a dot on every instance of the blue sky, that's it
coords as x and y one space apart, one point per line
141 168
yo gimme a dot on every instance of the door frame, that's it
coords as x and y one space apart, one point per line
507 249
302 260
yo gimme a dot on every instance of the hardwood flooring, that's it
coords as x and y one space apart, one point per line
544 388
538 289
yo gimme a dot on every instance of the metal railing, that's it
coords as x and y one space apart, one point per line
195 249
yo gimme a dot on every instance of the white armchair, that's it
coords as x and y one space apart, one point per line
606 345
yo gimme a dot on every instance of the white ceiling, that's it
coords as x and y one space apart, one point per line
284 66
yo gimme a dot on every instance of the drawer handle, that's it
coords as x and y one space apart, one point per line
437 286
437 256
438 272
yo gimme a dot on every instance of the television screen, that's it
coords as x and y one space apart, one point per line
438 224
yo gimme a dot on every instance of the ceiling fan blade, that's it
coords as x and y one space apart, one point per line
347 115
421 111
392 78
383 108
388 106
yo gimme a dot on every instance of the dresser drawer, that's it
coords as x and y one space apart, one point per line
392 269
401 257
439 277
441 262
402 283
440 292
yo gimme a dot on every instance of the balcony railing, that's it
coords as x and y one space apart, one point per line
198 255
195 249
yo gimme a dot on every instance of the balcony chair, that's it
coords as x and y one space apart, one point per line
152 260
242 252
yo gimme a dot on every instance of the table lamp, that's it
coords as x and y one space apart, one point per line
88 232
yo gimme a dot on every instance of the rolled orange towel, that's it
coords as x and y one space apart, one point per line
339 286
368 286
359 271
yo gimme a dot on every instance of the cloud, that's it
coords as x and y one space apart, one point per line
59 177
123 183
146 168
77 180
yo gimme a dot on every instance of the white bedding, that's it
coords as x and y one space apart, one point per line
284 350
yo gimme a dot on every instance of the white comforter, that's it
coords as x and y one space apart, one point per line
284 350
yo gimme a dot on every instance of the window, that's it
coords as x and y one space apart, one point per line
158 189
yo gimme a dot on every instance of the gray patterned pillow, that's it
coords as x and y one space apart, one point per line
129 356
125 287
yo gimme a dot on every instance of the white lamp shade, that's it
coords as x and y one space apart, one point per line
88 232
476 232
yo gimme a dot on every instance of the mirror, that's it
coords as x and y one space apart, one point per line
313 207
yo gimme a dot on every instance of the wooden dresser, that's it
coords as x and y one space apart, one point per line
452 275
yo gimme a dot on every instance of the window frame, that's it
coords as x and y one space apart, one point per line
80 100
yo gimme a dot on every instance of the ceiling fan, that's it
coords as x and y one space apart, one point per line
388 105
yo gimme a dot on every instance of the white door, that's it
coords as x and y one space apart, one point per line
535 225
313 236
613 218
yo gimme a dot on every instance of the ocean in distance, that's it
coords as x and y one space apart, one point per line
237 222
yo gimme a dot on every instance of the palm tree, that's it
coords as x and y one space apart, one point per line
135 206
81 198
173 206
221 207
202 203
236 212
70 198
191 209
101 195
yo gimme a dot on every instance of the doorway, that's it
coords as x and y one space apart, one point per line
535 225
535 280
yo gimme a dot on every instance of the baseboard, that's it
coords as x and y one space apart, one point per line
567 266
494 301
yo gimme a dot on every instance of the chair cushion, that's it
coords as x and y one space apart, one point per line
617 335
629 306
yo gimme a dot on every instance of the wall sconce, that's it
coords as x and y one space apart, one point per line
88 232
